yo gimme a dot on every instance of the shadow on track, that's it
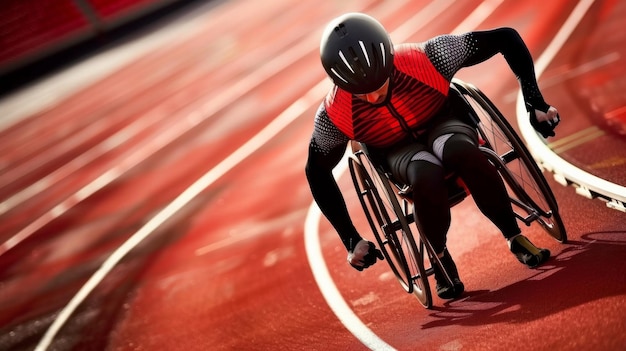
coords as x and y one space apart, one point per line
587 270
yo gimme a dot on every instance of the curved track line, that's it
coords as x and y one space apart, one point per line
296 109
312 242
277 125
50 90
203 112
586 184
329 290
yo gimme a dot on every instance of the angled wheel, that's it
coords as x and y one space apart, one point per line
530 193
390 227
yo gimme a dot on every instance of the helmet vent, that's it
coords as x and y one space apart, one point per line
343 58
367 58
382 53
338 75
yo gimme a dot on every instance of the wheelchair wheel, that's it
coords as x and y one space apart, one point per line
390 226
530 193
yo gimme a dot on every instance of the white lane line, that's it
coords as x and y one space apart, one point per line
584 68
285 118
589 66
311 98
325 282
547 158
37 97
576 139
480 14
329 290
193 117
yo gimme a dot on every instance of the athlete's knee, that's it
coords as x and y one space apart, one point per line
423 174
460 149
428 183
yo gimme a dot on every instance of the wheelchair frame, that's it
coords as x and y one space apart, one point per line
388 206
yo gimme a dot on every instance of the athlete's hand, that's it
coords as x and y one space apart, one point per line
364 255
544 121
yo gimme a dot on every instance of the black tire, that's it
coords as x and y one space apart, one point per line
529 190
390 227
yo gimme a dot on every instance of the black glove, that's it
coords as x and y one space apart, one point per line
545 128
364 255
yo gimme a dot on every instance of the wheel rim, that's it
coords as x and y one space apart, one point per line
399 250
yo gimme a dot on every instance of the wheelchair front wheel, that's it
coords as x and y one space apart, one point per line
390 227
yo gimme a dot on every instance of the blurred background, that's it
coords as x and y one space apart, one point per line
152 190
39 36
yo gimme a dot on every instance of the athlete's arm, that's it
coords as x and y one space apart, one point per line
449 53
509 43
326 149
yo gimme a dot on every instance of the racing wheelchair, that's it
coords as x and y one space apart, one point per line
388 206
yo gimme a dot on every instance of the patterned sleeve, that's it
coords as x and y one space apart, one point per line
326 138
449 53
326 149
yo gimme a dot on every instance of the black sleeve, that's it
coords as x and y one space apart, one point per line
326 149
449 53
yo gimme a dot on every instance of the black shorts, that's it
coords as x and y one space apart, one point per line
399 156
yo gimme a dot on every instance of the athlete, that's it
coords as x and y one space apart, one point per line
396 100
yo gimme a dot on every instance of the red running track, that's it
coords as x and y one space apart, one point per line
225 265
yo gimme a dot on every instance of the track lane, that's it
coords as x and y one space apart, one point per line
239 87
591 151
487 285
271 294
340 259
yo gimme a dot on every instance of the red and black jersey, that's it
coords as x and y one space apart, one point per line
417 91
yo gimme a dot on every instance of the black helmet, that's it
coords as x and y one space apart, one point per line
357 53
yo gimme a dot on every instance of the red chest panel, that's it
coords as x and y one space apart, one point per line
418 91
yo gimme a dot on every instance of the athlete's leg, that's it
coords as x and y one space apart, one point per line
432 212
415 166
430 198
460 154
